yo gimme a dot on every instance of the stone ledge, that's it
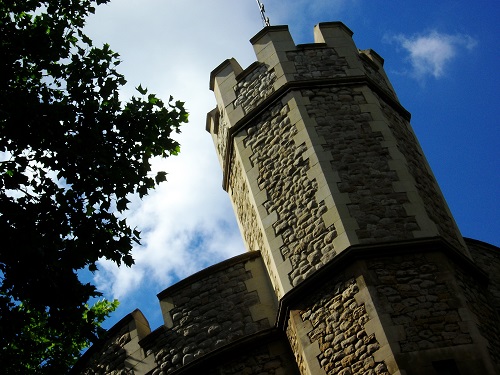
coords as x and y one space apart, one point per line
208 271
363 252
361 80
236 347
97 347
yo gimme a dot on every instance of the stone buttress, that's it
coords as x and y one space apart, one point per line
329 182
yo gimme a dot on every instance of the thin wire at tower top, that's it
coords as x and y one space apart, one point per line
265 20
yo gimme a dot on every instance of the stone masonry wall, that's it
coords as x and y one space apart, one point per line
337 322
362 163
254 87
486 316
313 61
246 213
245 210
487 257
222 134
262 360
417 292
111 360
424 181
119 352
207 314
484 301
294 340
317 62
374 74
282 175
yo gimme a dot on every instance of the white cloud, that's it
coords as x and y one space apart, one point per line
431 53
187 223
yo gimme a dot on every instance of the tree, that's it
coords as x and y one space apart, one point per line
71 154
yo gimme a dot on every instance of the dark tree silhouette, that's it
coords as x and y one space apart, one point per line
70 154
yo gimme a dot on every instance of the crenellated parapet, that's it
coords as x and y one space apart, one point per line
119 350
219 318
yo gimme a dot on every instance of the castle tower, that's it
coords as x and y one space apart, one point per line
355 264
328 181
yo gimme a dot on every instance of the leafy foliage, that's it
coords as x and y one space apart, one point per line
43 348
70 154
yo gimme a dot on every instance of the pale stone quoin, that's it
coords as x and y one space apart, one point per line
355 265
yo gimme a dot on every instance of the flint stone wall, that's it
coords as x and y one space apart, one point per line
484 301
337 324
418 293
425 182
290 193
207 314
272 359
362 163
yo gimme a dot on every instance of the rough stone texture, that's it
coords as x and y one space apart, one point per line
424 181
245 210
257 361
338 322
487 257
316 62
486 317
254 87
282 175
485 302
208 314
313 61
373 73
222 134
362 164
111 360
296 348
417 292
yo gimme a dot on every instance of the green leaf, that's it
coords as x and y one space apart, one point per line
160 177
121 205
141 90
175 150
152 99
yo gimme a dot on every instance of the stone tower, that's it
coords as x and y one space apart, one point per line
328 181
355 265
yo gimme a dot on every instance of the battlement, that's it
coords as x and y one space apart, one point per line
280 61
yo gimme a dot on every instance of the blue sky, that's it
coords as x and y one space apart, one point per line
441 58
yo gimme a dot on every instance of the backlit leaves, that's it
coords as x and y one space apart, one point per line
71 154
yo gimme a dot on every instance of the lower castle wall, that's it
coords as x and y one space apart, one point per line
434 310
333 322
405 311
274 358
119 352
223 304
484 302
